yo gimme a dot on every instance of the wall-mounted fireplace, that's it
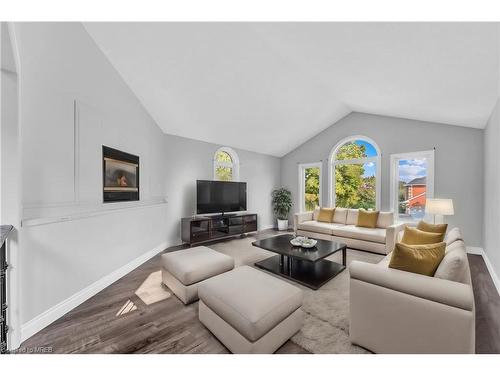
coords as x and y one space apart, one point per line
120 175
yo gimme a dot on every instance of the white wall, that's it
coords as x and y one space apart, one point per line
10 175
458 161
73 102
188 160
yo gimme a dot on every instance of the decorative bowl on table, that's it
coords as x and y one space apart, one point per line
304 242
297 241
309 243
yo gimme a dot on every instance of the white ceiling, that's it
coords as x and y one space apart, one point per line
268 87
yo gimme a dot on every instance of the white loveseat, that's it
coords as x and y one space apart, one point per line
393 311
343 229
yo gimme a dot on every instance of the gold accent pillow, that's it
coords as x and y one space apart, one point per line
413 236
433 228
367 219
422 259
326 215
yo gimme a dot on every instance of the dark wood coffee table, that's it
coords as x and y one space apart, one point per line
304 266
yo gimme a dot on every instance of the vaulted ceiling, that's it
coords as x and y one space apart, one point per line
268 87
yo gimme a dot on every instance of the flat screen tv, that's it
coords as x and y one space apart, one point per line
220 196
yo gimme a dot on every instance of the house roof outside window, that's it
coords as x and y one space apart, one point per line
417 181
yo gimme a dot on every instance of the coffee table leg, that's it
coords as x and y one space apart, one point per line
344 256
311 274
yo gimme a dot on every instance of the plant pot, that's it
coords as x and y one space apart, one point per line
282 224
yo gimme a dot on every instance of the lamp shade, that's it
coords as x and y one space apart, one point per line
439 206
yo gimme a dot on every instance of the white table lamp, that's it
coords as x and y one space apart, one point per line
439 207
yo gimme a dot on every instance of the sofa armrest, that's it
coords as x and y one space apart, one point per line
391 236
392 311
447 292
301 217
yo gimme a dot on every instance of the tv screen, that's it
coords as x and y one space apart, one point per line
220 196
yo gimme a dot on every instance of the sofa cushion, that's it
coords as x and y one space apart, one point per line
454 265
340 216
352 216
316 213
360 233
433 228
421 259
367 219
316 226
413 236
453 235
249 300
326 215
385 219
192 265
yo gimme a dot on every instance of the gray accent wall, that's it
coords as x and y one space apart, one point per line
491 186
189 160
491 231
458 161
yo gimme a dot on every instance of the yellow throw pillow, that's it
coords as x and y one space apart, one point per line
413 236
422 259
367 219
433 228
326 215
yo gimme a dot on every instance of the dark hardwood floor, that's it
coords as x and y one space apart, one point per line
168 326
487 303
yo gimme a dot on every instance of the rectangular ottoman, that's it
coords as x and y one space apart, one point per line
250 311
183 270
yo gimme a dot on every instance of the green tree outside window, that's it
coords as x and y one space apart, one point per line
223 172
311 188
352 188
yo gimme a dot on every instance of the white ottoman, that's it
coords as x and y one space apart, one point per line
183 271
250 311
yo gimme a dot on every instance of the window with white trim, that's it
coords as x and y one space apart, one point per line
226 165
309 186
354 171
412 183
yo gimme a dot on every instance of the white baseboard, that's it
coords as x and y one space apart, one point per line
265 227
475 250
41 321
491 270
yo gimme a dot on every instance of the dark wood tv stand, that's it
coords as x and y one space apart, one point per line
197 229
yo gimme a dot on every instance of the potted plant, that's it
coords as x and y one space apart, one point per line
282 203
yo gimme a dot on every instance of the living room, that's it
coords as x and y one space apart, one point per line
250 187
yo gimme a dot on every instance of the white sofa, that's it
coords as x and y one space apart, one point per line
343 229
393 311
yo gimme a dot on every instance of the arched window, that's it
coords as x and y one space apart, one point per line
354 170
226 165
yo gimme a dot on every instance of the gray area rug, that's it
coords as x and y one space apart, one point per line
326 326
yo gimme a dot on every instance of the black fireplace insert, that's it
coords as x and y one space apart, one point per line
120 175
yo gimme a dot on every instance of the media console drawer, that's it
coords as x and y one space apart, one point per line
236 220
250 227
199 229
236 229
250 219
